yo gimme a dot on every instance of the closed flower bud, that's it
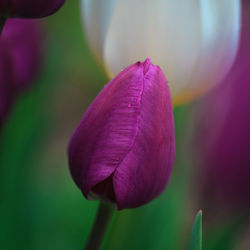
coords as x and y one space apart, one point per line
20 57
29 8
124 147
194 42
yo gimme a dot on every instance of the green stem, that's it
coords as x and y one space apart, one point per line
101 222
2 22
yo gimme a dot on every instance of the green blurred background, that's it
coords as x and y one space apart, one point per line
40 206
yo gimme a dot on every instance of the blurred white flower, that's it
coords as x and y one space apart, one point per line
193 41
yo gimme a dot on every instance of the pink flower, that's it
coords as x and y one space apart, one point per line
123 149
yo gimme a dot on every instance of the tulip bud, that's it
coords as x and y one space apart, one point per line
123 149
20 57
29 8
194 42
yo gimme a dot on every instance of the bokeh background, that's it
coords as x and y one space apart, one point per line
40 206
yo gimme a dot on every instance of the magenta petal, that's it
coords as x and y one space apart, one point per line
106 131
21 42
144 172
29 8
21 46
125 141
224 134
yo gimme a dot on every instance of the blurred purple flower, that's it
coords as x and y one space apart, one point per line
123 149
20 57
29 8
224 139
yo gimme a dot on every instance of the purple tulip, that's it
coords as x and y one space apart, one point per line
29 8
225 134
20 57
123 149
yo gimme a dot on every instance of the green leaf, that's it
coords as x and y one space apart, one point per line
196 235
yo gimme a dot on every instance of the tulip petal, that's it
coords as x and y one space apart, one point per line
165 30
223 134
107 130
22 40
145 170
97 15
194 42
20 58
220 36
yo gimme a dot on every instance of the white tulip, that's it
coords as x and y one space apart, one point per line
193 41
